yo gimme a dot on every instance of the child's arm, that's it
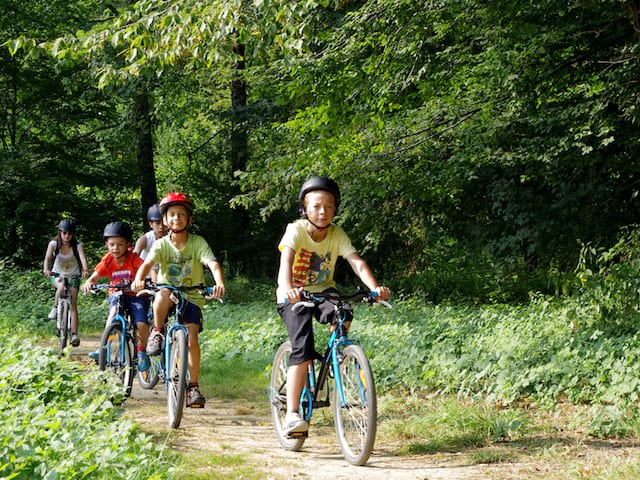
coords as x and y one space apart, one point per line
83 261
142 274
47 260
216 270
285 280
362 270
141 244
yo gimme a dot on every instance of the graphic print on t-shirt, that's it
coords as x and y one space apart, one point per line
179 268
119 276
310 268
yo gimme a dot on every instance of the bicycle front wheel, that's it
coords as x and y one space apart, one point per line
116 356
177 376
356 415
63 325
278 397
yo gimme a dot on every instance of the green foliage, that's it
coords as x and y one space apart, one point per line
59 423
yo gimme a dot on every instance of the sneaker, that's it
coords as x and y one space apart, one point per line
293 423
94 355
53 313
75 340
154 345
195 399
143 361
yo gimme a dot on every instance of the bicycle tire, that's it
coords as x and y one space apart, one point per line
356 421
110 356
177 376
62 318
278 397
149 379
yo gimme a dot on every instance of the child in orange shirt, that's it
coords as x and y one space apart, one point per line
120 265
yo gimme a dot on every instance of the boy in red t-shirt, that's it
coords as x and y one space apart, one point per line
120 265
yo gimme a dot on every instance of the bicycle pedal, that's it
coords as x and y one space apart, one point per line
294 435
197 405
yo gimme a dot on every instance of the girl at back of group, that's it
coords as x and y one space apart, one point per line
69 261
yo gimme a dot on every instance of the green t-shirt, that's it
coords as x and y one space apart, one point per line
314 262
183 267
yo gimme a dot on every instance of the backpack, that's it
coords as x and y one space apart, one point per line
74 246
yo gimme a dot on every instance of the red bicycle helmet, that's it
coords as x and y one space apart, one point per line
175 198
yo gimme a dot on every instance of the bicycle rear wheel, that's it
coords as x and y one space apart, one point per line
278 397
63 324
116 356
177 376
356 418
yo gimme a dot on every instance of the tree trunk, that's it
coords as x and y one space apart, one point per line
144 134
238 115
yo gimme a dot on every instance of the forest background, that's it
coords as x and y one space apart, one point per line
485 150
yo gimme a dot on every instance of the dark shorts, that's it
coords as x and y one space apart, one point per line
191 314
300 327
137 306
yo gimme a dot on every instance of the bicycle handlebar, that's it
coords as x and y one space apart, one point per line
311 299
125 286
151 289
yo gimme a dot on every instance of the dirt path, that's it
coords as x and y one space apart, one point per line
229 428
235 428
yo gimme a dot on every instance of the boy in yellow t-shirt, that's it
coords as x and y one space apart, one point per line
309 250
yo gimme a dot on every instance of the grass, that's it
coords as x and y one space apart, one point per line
219 467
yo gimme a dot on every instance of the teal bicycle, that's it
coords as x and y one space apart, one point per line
117 349
354 394
174 356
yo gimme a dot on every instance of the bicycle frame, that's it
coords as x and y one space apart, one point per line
330 360
127 325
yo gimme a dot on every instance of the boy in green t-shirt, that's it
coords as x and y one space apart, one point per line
181 257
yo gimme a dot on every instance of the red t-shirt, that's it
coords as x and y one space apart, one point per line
118 273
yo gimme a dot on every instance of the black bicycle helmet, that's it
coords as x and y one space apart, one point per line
153 214
117 229
318 183
67 225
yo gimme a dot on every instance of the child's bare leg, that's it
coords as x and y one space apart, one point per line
161 305
194 353
296 378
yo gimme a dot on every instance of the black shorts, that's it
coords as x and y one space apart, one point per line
300 327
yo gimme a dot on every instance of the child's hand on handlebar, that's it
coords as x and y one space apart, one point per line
217 292
138 285
86 287
383 292
294 295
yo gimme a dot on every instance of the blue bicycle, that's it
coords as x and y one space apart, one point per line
116 352
174 356
354 394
